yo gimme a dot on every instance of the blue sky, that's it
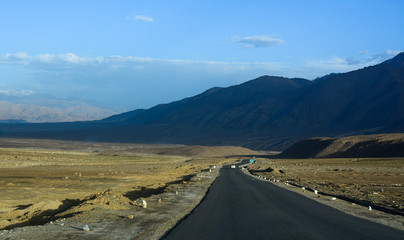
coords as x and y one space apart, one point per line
135 54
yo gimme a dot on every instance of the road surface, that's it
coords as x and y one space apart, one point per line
239 206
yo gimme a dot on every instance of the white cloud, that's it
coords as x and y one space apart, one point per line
339 64
20 93
19 58
144 18
24 58
45 60
392 52
332 64
70 63
75 63
66 58
71 58
258 41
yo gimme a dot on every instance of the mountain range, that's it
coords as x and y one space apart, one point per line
265 113
34 107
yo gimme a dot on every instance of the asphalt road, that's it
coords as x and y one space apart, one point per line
241 207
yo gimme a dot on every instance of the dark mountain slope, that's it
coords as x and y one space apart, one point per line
366 100
123 116
236 107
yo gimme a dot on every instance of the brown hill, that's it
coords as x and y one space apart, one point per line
207 151
379 145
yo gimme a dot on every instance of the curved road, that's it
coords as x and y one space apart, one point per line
241 207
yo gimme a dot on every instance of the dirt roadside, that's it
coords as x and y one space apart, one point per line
162 212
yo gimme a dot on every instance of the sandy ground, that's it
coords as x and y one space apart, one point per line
61 186
126 222
355 184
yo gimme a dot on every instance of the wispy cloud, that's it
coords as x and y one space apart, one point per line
143 18
340 64
393 52
24 58
15 58
67 58
73 63
20 93
335 64
258 41
70 59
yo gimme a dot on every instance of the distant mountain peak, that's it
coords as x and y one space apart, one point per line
276 82
397 61
268 78
319 79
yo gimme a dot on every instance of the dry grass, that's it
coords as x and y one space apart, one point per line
36 180
379 181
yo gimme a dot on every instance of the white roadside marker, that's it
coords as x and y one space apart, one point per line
86 228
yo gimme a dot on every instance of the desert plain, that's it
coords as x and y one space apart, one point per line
42 181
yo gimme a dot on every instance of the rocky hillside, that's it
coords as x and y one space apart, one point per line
381 145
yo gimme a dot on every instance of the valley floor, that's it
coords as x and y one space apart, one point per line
51 189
